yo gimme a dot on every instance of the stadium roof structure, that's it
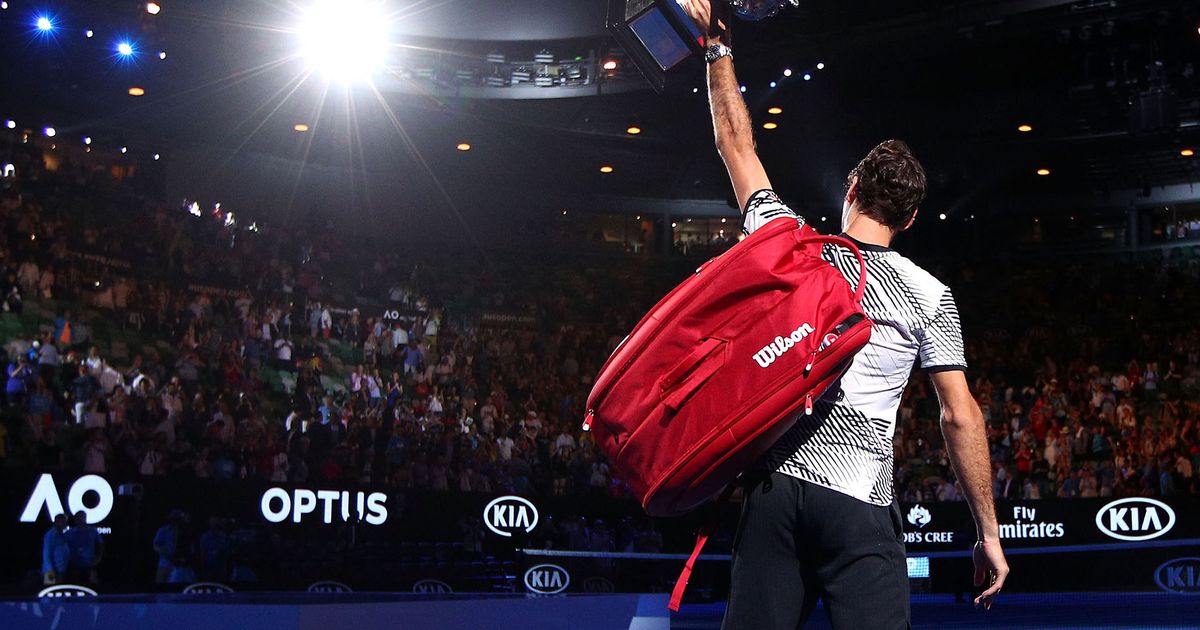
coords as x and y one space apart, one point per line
1109 90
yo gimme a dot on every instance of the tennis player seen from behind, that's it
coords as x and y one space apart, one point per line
820 520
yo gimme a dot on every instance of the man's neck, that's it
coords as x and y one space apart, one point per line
865 230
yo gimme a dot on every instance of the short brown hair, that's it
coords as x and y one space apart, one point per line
891 183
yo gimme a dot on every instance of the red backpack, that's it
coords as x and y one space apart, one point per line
716 372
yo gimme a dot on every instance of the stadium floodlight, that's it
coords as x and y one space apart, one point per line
125 49
345 40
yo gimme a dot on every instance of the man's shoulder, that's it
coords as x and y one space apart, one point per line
917 278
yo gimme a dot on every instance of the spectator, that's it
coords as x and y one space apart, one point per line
86 550
56 552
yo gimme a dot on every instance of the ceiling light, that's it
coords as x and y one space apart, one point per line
153 8
87 139
346 40
787 72
1043 171
743 89
162 55
1024 128
821 65
136 91
124 149
125 49
606 169
3 5
773 84
50 132
45 24
611 64
942 216
769 125
775 110
301 127
463 146
807 76
89 33
633 130
156 156
1187 153
11 124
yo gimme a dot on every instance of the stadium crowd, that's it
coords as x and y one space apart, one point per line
256 362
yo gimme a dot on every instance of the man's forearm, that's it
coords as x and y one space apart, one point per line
731 119
966 445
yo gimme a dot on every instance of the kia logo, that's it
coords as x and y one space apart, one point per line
67 590
598 584
206 588
547 579
329 586
508 515
431 586
1135 519
1181 575
45 495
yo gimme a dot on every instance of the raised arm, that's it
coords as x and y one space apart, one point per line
966 444
731 120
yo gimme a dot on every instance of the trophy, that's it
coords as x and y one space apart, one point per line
657 34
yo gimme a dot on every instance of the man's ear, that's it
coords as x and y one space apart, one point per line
911 219
852 191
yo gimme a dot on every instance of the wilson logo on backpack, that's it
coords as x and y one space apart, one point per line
775 349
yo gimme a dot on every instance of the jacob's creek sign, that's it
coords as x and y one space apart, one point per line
919 516
279 504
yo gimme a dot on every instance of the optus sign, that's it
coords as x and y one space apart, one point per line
1135 519
278 504
1180 575
510 515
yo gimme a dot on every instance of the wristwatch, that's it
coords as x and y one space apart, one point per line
716 51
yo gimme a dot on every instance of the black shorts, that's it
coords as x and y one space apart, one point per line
798 542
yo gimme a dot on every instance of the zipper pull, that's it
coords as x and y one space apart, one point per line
587 420
808 405
811 359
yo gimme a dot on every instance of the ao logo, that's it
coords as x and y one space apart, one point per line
547 579
1180 575
508 515
1135 519
45 494
66 590
429 586
919 516
207 588
329 586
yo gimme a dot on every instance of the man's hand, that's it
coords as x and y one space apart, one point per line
990 565
713 23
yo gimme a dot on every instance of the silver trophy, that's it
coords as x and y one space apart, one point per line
760 9
657 35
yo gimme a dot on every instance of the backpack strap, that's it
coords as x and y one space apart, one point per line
804 238
702 536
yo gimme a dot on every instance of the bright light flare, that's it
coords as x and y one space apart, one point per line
345 40
50 132
45 24
125 49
